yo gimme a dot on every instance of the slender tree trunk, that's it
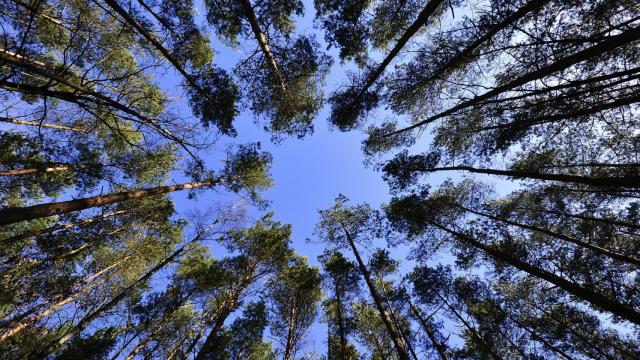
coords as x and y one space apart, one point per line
152 39
329 341
534 335
470 328
39 263
581 113
621 310
142 344
41 124
41 170
208 319
608 221
580 336
89 284
57 227
431 334
262 42
594 248
47 71
212 338
425 15
13 215
473 47
631 75
288 349
53 308
606 45
80 94
398 342
229 307
51 346
159 19
341 330
607 182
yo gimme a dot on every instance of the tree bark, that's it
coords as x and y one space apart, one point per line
141 345
398 342
341 330
152 39
41 124
262 42
470 328
534 335
17 328
591 218
471 48
288 349
13 215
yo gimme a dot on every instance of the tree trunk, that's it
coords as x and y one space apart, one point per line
425 15
621 310
89 285
534 335
431 334
53 308
78 96
59 341
290 334
470 328
13 215
38 263
607 182
152 39
398 342
57 227
212 338
608 221
262 42
40 124
341 330
594 248
608 44
582 112
580 336
39 170
470 49
158 327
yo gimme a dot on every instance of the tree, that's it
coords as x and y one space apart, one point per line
294 294
340 278
283 84
342 225
263 251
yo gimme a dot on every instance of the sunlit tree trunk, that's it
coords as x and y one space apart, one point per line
262 42
42 125
16 214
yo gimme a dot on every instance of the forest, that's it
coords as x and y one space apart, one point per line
148 149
